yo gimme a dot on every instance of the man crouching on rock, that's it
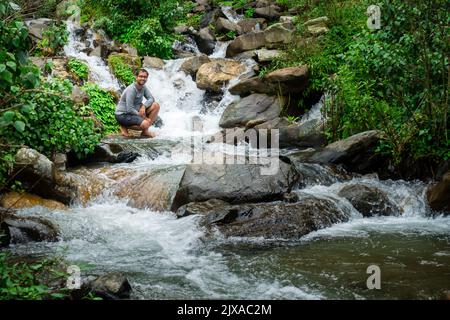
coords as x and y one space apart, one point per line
131 113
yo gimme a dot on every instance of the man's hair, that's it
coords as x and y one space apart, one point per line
142 70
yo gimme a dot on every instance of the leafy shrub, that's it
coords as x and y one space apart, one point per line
103 105
78 69
30 281
122 71
54 37
149 38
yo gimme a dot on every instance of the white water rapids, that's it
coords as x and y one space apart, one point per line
169 258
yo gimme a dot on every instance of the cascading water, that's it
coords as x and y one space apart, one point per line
169 258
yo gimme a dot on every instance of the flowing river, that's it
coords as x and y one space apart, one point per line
169 258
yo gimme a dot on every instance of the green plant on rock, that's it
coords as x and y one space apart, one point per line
54 37
102 103
122 71
78 69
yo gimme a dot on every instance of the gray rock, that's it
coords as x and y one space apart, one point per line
271 12
264 55
153 62
205 40
369 200
112 286
303 135
282 81
191 65
25 228
256 107
356 153
234 183
275 36
79 96
252 24
277 220
224 25
36 27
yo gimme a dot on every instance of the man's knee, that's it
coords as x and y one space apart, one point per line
155 106
145 124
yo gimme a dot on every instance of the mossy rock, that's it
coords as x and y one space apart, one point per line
124 66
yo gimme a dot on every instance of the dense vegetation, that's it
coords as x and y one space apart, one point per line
394 79
34 111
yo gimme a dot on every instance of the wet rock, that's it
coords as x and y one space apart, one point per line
191 65
254 107
5 235
205 39
204 208
438 195
112 286
133 61
275 36
212 76
59 68
234 183
282 81
303 135
277 220
38 175
17 200
153 62
128 49
25 227
252 24
155 189
103 153
100 51
369 200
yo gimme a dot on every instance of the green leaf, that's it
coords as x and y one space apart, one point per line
19 125
2 67
8 116
12 65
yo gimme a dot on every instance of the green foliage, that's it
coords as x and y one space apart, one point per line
122 71
249 13
47 122
25 281
54 37
231 34
396 80
147 25
149 38
78 69
102 103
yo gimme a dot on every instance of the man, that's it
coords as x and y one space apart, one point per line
131 113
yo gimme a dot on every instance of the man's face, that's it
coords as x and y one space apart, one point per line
141 78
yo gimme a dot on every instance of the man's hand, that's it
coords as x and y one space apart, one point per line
142 111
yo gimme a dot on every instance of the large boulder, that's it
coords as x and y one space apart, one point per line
256 107
356 153
438 195
17 200
112 286
317 26
284 81
277 220
234 183
369 200
153 62
191 65
154 190
214 75
275 36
